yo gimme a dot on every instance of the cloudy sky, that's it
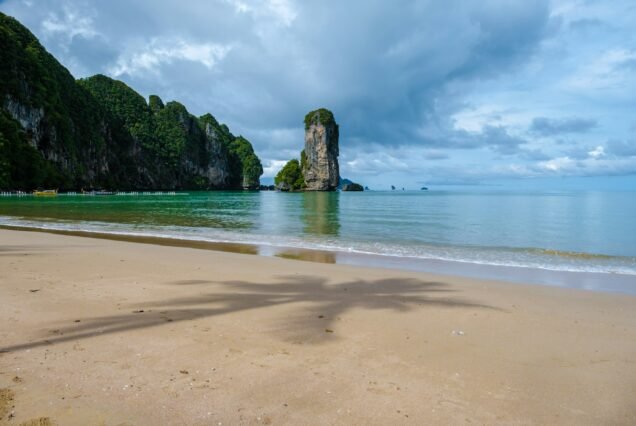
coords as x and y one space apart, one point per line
425 92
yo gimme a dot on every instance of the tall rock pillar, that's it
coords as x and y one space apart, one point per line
321 171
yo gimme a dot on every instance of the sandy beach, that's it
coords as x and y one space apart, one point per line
99 332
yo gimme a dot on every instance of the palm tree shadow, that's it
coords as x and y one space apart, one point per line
317 299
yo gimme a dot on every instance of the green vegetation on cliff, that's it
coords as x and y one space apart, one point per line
38 91
290 176
320 116
244 164
169 132
21 165
303 160
98 132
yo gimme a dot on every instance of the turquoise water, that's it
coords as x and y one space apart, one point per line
559 231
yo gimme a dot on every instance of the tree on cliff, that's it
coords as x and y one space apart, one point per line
321 116
244 164
290 176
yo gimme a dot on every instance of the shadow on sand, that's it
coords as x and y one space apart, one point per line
320 304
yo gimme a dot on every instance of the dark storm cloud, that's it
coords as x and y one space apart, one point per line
382 69
578 152
544 126
496 138
622 148
534 155
390 83
501 141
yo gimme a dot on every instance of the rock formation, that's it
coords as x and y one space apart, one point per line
352 187
321 171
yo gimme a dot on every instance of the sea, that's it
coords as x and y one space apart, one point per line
579 239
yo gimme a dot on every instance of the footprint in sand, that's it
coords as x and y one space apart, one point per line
6 402
6 405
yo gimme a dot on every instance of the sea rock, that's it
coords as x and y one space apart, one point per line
283 187
343 181
352 187
321 171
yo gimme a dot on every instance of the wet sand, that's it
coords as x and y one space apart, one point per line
96 331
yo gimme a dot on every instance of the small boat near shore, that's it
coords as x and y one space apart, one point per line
45 193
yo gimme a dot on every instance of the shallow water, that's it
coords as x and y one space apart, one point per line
555 231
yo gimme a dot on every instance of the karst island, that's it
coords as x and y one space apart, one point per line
318 168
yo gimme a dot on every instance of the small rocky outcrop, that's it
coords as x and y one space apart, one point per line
352 187
283 187
321 171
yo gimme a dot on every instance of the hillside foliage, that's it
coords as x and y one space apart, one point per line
291 175
57 132
320 116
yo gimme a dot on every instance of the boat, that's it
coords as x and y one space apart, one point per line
45 193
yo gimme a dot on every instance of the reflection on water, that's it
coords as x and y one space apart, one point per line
308 255
320 213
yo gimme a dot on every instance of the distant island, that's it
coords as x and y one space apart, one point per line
58 132
317 169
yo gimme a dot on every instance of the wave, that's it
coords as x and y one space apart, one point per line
537 258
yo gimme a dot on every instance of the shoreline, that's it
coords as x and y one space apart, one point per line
591 281
97 331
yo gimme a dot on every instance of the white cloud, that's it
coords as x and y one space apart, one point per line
559 164
475 118
607 71
165 51
272 167
70 23
377 162
283 11
240 6
597 152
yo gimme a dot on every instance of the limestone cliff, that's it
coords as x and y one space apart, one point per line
321 171
58 132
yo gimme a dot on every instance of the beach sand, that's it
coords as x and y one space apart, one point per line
99 332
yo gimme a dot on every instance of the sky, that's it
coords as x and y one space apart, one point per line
499 93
